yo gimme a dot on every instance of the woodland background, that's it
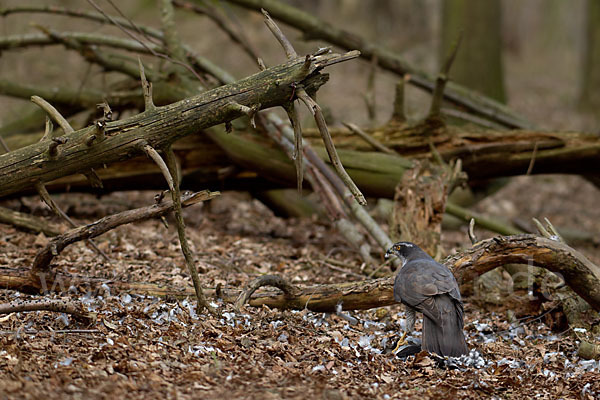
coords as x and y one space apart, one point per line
540 57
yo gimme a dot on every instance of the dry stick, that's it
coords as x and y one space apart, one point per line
265 280
75 308
359 212
532 162
4 145
41 189
321 186
442 78
368 138
315 109
285 43
486 123
49 130
53 113
471 231
44 257
210 11
292 112
147 88
168 172
43 192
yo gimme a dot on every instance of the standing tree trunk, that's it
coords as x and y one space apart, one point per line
478 64
589 97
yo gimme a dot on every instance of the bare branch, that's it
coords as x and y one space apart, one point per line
440 83
147 88
283 41
169 171
75 308
43 192
472 236
53 113
48 130
265 280
325 135
297 156
45 256
368 138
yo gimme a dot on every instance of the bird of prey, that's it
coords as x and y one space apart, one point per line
424 285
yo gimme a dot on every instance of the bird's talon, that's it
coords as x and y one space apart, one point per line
401 342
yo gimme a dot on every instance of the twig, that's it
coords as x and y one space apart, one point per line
315 109
53 113
147 88
335 181
297 156
48 130
442 78
43 192
541 229
532 162
472 118
553 230
283 41
265 280
169 171
368 138
471 231
330 263
56 305
45 256
4 145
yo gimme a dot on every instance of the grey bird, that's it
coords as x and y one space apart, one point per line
424 285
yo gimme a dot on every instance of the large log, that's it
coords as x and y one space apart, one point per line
579 274
159 126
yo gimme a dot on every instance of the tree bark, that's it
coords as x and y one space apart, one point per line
579 274
158 127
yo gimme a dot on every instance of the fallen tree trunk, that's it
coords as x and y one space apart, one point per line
158 127
579 274
221 161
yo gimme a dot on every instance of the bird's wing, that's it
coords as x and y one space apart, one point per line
418 281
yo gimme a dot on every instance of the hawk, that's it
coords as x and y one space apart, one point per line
426 286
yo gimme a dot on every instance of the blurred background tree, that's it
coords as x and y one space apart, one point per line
589 97
478 64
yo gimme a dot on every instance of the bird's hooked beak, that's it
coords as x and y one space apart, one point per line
389 253
394 253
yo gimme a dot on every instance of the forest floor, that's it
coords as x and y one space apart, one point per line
147 347
151 347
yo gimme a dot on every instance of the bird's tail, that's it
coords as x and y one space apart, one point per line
445 338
